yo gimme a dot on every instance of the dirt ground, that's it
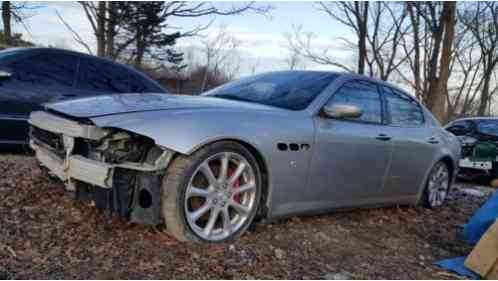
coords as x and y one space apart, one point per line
44 234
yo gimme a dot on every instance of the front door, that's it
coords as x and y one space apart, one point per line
350 156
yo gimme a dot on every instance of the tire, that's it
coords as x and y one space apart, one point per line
437 185
187 176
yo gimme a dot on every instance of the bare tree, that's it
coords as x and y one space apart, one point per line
481 19
18 11
76 35
6 14
107 20
439 88
301 43
379 28
294 61
466 75
386 31
221 56
429 51
353 14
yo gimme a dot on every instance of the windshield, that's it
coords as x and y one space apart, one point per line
290 90
488 127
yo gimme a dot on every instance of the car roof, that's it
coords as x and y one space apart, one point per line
347 75
477 118
35 50
63 51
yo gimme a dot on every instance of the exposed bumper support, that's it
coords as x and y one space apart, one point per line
479 165
79 168
91 171
58 125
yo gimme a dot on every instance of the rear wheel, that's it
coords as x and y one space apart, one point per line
213 194
437 186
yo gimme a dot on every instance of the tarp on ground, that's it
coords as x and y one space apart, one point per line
475 228
482 219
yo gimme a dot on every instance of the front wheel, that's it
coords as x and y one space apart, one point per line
213 194
437 186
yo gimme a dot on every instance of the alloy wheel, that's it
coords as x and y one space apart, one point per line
438 185
220 196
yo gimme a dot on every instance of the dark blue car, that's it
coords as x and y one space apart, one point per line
30 77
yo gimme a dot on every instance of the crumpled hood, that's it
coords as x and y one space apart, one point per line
125 103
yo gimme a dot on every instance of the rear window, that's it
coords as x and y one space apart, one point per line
101 76
488 127
47 69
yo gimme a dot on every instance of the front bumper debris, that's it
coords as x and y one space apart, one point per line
78 168
70 151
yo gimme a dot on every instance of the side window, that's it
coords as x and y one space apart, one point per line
464 123
363 95
101 76
46 69
402 110
460 127
137 85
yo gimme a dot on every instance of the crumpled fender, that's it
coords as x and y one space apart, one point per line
186 130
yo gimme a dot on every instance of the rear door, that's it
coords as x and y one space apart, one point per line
350 156
414 144
36 79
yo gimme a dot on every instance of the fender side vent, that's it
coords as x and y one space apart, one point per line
294 146
282 146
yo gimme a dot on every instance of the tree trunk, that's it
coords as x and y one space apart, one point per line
416 43
362 19
101 32
7 33
140 49
483 103
441 89
110 30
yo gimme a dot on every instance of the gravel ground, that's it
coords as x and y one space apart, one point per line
45 235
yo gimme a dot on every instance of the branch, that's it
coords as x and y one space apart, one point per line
75 34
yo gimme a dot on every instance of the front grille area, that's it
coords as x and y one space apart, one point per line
48 138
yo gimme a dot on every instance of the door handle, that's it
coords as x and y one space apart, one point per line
383 137
433 140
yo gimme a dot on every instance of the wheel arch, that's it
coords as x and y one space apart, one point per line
450 164
448 160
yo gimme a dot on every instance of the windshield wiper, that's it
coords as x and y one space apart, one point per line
231 97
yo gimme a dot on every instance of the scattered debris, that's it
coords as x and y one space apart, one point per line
338 276
473 192
11 251
484 257
279 253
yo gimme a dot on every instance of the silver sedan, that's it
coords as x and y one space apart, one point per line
267 146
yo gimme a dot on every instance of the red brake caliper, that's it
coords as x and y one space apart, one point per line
236 184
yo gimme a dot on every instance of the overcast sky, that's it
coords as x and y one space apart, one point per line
262 42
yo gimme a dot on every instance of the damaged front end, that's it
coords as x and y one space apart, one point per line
118 171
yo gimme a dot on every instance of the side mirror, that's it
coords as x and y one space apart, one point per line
458 130
342 111
5 75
